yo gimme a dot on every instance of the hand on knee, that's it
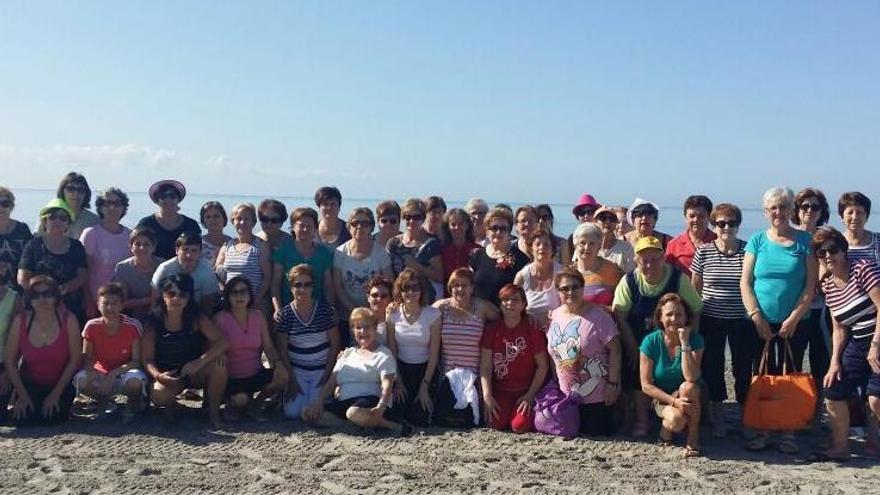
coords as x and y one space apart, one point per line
239 400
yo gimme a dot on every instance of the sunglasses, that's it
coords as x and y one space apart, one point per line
379 295
5 203
825 251
723 224
42 294
565 289
113 204
413 218
302 285
265 219
63 217
240 292
499 229
582 212
74 189
356 224
478 213
175 293
411 288
606 218
389 221
809 207
168 195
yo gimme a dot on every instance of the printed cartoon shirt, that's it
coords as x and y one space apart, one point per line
513 354
578 348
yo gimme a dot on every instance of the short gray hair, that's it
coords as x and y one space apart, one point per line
587 229
476 204
782 195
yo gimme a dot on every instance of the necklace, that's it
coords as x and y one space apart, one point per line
411 318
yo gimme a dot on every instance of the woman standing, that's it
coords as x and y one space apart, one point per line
356 262
10 305
332 231
460 244
106 243
388 215
680 250
526 222
600 275
304 249
379 289
613 248
167 224
212 216
716 271
75 191
498 263
854 209
272 215
536 279
584 345
135 273
13 235
42 354
777 286
643 216
415 249
246 255
545 224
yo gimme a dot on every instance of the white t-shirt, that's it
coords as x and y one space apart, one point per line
204 280
621 254
414 339
358 375
356 273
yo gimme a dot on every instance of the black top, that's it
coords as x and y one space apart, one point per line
37 259
174 349
491 275
11 247
165 239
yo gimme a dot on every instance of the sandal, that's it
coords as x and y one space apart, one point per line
787 445
758 443
664 442
690 451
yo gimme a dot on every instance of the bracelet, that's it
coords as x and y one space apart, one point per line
753 312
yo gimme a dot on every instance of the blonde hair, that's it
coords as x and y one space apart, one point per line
363 314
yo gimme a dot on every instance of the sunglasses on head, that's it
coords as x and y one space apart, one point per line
723 224
831 249
268 219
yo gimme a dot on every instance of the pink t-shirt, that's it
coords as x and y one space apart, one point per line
577 346
103 250
245 343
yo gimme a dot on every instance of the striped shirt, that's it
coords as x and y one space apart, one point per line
869 252
460 339
244 263
851 305
721 273
308 343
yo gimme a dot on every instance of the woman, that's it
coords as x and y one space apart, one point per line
167 224
364 380
246 255
10 305
304 249
669 369
477 208
413 334
136 272
777 286
379 289
307 328
388 215
545 224
57 255
272 215
460 244
498 263
643 215
42 354
854 209
213 218
584 345
13 235
600 275
716 271
680 250
463 319
247 336
623 225
526 222
434 217
182 349
513 364
106 243
75 191
852 291
536 279
415 249
357 261
332 230
613 248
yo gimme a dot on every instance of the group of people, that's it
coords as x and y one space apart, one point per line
457 317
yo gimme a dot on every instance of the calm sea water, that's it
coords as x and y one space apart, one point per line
29 202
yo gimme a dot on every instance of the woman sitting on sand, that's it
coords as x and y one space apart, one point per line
364 375
669 369
174 350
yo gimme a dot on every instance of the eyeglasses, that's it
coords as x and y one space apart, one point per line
240 292
568 288
810 207
74 189
356 224
265 219
389 221
831 249
379 295
42 294
302 285
411 288
171 294
61 217
413 218
499 229
723 224
5 203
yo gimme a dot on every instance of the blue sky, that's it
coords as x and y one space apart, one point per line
508 100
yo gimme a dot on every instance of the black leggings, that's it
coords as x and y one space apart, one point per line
741 336
38 394
411 410
810 332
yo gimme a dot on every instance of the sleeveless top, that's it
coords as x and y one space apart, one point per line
539 303
414 339
175 349
245 343
460 339
7 305
43 365
643 306
244 263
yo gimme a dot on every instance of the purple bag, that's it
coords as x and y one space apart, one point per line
557 413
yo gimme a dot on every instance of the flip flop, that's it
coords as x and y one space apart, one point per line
817 457
788 446
757 444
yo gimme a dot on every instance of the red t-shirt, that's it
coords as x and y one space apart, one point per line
111 351
680 251
513 354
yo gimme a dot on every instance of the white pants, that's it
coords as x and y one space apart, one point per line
79 381
308 392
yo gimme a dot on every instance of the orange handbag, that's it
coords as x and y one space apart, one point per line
785 402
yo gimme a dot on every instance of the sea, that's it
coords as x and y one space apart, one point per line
29 201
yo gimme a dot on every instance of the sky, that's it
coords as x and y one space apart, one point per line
508 100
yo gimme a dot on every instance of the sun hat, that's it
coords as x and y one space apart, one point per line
648 242
603 209
585 199
57 204
159 185
638 202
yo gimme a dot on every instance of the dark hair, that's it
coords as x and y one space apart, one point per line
79 179
671 297
697 201
464 217
539 234
853 198
499 214
511 289
188 238
112 289
230 285
380 281
388 208
102 198
435 203
545 208
828 233
302 212
302 269
183 283
327 193
726 209
810 192
405 277
569 272
525 209
141 231
414 205
274 205
42 280
645 209
207 206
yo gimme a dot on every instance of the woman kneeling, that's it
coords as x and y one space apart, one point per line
670 371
